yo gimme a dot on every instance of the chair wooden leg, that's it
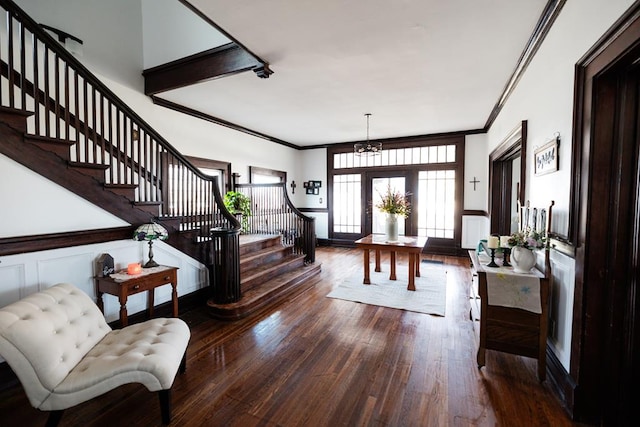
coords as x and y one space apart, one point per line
165 405
183 363
54 418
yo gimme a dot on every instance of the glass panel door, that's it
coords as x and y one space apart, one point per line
379 187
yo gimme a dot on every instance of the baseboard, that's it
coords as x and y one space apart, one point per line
561 382
323 242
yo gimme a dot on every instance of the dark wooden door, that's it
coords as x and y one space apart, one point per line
613 246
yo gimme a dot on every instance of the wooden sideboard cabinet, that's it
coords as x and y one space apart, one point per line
508 329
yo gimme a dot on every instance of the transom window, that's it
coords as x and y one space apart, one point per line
397 157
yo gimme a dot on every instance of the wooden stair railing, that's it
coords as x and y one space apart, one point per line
273 213
69 105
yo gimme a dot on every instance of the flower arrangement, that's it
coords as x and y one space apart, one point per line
394 202
529 239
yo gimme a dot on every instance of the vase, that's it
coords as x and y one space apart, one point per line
391 228
522 259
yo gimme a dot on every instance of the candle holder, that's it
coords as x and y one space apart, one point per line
493 259
505 252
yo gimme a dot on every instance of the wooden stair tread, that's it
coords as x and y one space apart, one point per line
84 165
147 203
271 267
262 252
131 186
16 111
49 139
247 239
253 242
267 294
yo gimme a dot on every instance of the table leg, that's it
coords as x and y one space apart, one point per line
378 261
124 320
392 275
367 279
412 273
174 298
99 301
417 256
150 302
480 357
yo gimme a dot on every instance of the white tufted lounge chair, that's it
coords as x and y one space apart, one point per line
64 353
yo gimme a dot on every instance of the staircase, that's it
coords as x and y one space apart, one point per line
59 120
269 273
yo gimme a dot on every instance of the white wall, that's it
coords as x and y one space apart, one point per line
116 50
172 31
34 205
544 97
476 166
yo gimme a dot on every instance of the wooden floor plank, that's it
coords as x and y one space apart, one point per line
317 361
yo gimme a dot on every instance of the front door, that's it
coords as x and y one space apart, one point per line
377 185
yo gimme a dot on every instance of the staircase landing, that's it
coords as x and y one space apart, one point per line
270 273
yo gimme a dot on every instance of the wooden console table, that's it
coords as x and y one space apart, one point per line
508 329
122 285
410 244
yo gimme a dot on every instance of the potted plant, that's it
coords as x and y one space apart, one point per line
523 243
394 204
239 205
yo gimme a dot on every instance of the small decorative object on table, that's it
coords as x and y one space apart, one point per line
150 232
104 265
493 243
522 244
504 244
394 204
134 268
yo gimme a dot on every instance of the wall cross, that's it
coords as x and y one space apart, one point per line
474 182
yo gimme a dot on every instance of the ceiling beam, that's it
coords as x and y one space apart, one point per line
211 64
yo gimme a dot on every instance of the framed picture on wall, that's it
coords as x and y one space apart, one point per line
546 158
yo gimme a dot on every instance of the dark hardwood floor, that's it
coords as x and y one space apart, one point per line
317 361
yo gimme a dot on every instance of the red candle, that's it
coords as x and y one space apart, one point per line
133 269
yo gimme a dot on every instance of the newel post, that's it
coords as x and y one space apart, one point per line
224 266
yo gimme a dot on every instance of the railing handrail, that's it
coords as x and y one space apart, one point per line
55 46
286 196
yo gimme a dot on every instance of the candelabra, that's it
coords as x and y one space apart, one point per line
493 258
505 252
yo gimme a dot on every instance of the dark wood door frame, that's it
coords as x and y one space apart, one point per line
603 224
500 178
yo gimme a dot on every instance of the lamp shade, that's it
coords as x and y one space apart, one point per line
151 231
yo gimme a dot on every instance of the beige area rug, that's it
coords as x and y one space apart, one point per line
429 296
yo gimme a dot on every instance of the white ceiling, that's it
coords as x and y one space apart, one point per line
419 66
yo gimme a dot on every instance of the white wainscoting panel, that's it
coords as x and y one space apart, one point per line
474 228
12 282
23 274
561 307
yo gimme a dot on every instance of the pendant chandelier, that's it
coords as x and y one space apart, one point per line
367 148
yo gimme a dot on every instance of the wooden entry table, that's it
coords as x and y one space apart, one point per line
411 245
123 285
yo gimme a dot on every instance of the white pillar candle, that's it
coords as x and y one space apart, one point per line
504 241
493 242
